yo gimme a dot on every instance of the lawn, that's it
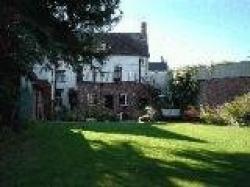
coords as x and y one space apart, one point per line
112 154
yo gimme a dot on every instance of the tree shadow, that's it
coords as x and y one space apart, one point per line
122 164
62 156
223 169
140 130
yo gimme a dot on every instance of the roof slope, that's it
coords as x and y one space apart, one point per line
157 66
127 44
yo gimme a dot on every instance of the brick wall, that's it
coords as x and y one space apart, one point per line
135 92
219 91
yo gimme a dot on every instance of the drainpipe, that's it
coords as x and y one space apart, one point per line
140 70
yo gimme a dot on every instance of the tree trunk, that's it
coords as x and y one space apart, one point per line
9 101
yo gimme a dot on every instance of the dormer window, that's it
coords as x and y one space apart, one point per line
118 74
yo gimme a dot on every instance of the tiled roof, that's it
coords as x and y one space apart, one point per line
157 66
126 44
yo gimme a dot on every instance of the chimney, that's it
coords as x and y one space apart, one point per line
144 29
162 59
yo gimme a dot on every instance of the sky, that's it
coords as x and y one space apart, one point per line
191 32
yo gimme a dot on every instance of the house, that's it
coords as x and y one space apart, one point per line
127 59
62 79
158 75
120 83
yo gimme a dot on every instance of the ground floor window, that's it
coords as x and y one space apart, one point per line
123 100
58 97
109 101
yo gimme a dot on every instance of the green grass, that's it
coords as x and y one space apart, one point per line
126 155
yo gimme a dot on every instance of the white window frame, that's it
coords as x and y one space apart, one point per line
61 76
126 99
117 76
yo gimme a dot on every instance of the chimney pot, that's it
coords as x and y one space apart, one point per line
162 59
144 29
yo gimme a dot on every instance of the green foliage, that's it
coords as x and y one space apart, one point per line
100 114
31 30
71 115
183 88
211 115
237 112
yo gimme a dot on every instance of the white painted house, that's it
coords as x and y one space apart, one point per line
127 62
61 79
130 68
128 59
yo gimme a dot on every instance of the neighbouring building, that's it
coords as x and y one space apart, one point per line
221 83
158 75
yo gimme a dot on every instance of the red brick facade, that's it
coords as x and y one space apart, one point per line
219 91
136 93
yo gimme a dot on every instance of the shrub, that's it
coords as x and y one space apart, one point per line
100 114
237 112
183 88
211 115
71 116
192 113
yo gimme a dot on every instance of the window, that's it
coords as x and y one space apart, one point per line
118 74
109 101
141 60
123 100
92 99
60 76
58 97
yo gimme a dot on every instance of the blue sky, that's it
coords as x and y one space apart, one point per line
188 32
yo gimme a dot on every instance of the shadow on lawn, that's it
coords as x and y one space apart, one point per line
64 157
124 165
140 130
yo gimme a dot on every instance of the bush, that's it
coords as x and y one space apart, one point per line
211 115
183 88
97 112
71 116
100 114
237 112
192 113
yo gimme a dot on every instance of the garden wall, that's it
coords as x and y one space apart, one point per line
218 91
